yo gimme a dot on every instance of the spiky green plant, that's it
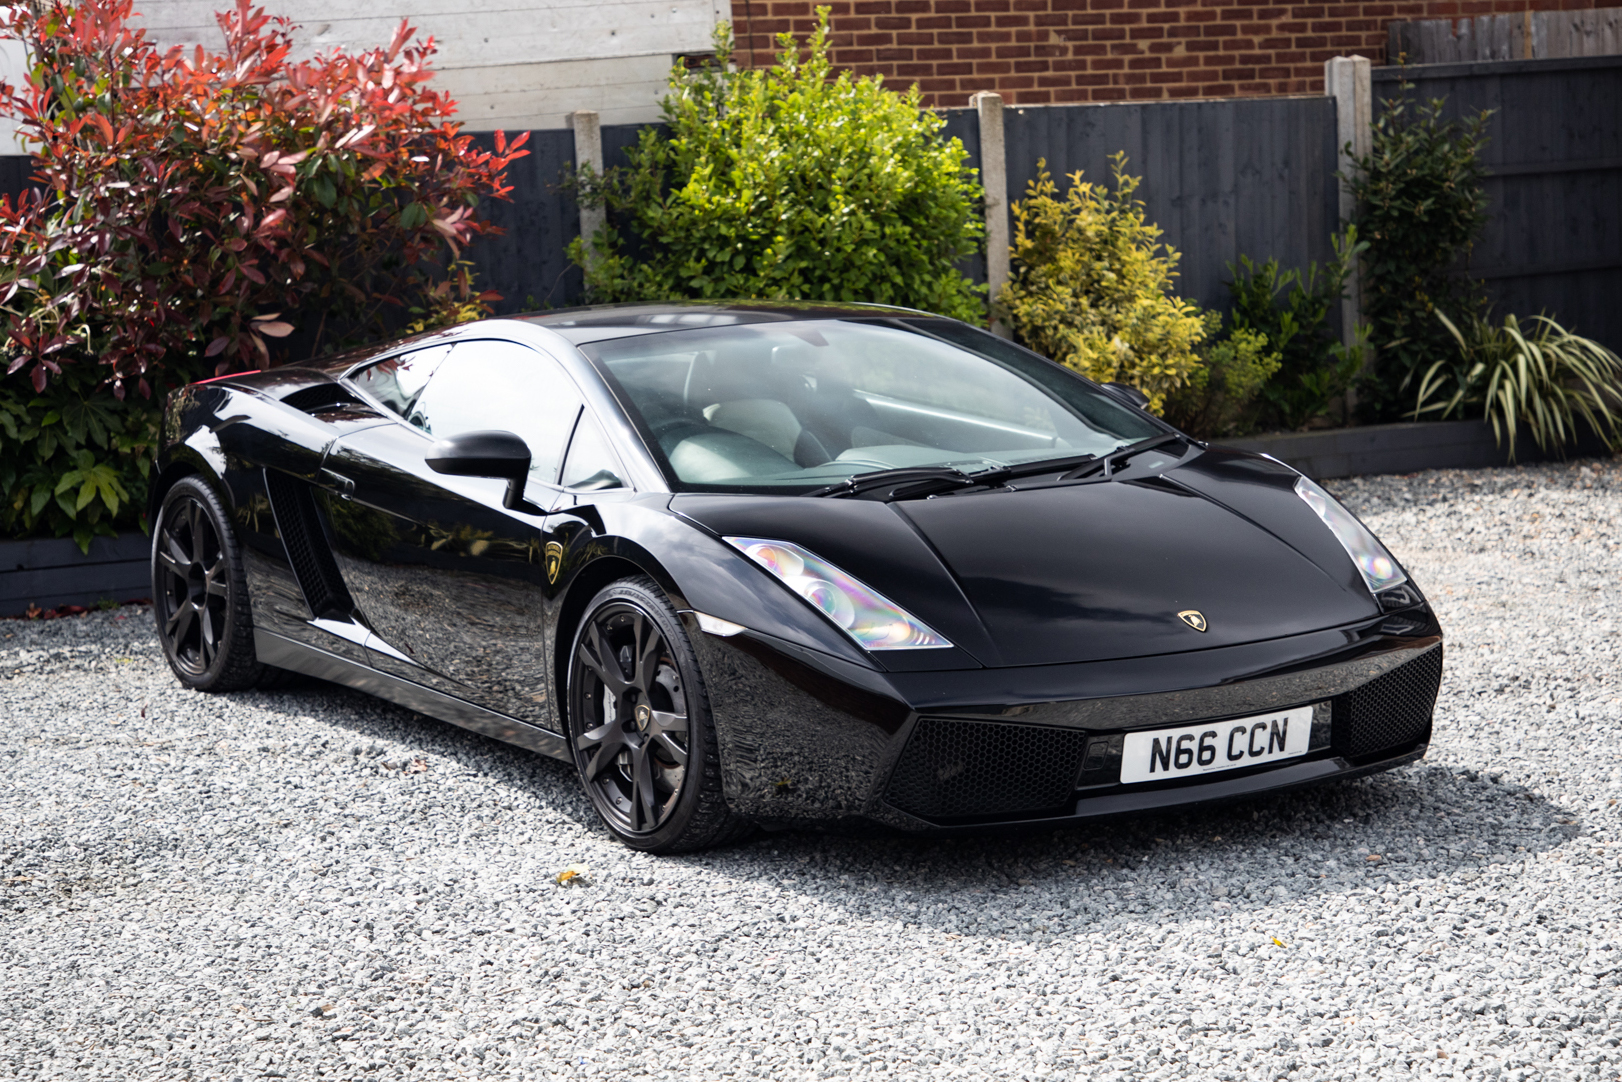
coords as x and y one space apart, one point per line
1542 377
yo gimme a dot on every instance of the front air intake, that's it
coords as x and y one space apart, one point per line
1390 712
984 769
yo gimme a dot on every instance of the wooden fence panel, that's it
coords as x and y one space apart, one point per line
964 125
1223 178
1553 240
1522 35
528 264
15 171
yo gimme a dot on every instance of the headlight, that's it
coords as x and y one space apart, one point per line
857 610
1379 570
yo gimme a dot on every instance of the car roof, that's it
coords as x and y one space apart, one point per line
598 322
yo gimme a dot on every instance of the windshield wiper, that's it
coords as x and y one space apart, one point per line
917 482
914 482
1111 462
863 483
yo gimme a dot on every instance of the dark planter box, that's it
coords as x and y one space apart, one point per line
54 572
1401 448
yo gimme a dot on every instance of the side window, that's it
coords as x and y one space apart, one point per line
398 381
502 385
592 465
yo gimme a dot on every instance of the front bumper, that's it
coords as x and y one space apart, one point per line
807 739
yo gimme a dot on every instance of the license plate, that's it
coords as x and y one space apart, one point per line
1166 754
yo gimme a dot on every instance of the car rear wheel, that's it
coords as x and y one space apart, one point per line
639 724
199 592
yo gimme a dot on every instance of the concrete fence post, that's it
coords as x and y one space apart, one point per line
994 179
588 152
1349 81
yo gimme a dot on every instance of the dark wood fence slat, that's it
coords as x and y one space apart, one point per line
1523 35
527 264
1553 239
1222 178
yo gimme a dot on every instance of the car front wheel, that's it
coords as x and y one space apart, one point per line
639 724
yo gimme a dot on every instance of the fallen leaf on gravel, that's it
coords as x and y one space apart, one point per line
573 872
1280 942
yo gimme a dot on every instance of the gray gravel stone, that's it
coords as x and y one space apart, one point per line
313 884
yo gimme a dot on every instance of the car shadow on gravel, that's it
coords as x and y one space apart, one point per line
1414 824
1409 825
377 732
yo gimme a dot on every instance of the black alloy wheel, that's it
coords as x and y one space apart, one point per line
639 724
199 592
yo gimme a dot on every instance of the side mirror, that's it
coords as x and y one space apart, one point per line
487 454
1128 394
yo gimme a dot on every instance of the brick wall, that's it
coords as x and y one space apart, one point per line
1038 52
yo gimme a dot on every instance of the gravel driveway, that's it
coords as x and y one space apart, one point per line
313 884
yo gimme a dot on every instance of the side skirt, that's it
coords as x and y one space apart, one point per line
285 653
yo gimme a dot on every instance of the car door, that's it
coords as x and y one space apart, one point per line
453 584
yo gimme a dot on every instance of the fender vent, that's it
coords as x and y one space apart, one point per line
966 769
1391 711
308 552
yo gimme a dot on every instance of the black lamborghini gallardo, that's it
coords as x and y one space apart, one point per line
783 564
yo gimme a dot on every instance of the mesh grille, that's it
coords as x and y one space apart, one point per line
307 551
955 769
1391 711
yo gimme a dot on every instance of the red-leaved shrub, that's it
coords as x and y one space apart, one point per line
194 204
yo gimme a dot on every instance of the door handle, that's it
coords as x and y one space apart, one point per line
344 486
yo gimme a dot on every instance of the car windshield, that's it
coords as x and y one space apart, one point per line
775 407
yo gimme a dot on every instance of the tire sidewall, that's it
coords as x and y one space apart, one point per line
235 601
645 596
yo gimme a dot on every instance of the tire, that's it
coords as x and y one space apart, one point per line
639 725
200 594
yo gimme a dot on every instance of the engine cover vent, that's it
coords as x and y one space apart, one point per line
321 397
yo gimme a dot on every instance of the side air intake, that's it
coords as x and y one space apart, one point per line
299 523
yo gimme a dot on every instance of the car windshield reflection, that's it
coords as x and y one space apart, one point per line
796 406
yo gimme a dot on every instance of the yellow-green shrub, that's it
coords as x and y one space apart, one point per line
1090 286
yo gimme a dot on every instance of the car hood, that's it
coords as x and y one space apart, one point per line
1068 573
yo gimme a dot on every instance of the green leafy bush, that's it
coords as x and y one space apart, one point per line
788 182
1542 376
1090 286
1420 208
74 460
1292 309
1219 398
